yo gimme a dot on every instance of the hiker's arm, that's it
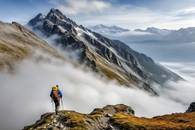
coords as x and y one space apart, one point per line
60 93
51 94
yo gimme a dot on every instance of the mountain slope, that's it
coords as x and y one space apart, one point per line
111 58
17 43
117 117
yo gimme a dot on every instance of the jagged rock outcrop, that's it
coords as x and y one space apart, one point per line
111 58
96 120
110 110
191 108
112 117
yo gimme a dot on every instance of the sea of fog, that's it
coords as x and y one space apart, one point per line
24 94
171 52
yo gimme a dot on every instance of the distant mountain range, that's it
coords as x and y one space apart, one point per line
111 58
103 29
150 34
154 30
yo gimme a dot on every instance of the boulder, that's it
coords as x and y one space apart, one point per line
113 109
191 108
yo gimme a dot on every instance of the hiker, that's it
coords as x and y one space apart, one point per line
56 96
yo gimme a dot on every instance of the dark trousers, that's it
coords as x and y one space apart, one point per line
57 105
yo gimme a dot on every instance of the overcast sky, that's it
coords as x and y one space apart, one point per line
126 13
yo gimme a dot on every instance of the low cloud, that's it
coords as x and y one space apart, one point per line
187 69
187 12
24 95
132 36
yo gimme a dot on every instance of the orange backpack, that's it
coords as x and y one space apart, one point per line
55 95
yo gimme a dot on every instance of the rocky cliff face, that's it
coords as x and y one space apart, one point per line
111 58
116 117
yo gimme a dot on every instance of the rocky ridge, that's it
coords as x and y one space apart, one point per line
113 117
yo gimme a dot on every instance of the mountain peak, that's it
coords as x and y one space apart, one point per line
54 21
37 18
56 12
57 17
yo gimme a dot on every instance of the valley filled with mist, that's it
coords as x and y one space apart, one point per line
83 91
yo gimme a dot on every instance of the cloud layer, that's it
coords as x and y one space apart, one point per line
24 95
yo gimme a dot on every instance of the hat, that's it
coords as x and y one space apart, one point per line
54 88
